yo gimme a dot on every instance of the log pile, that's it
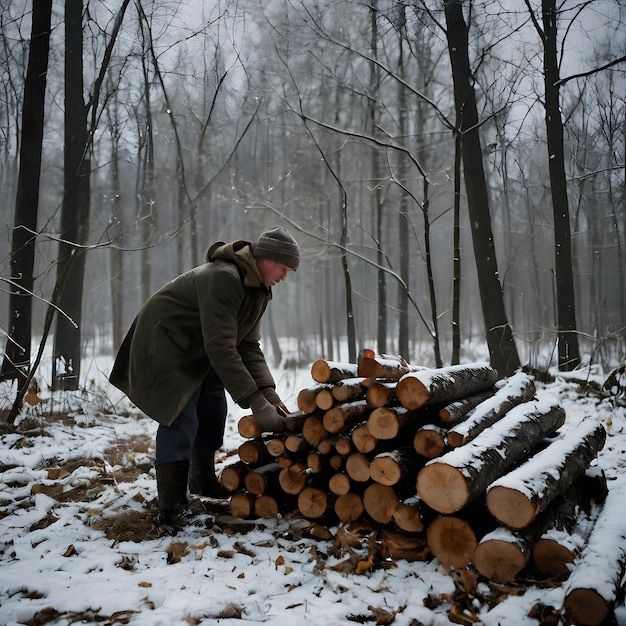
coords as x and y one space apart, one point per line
476 467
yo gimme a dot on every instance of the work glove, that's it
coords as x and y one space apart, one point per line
265 415
274 399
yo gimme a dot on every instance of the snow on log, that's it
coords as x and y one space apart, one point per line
559 545
381 393
591 590
444 385
331 372
385 368
458 477
389 468
430 441
517 389
345 416
349 389
307 397
408 516
459 410
516 498
501 555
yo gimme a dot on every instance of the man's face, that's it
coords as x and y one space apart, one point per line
272 272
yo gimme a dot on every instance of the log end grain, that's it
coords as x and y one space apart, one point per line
499 561
510 507
442 487
358 467
248 428
411 392
408 518
452 541
586 607
552 559
312 502
349 507
385 471
320 371
266 507
383 423
429 443
380 502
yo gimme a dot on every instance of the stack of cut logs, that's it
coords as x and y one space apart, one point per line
451 462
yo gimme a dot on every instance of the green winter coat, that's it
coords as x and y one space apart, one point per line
205 322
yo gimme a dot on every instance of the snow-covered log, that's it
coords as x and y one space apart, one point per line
385 368
502 554
349 389
450 482
460 410
385 422
444 385
516 498
430 441
331 372
592 589
517 389
344 416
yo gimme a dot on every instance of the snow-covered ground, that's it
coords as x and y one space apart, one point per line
76 545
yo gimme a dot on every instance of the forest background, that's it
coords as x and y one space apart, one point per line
453 170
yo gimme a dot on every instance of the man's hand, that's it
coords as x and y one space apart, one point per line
274 399
266 415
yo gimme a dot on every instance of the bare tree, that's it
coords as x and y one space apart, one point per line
502 349
569 354
17 353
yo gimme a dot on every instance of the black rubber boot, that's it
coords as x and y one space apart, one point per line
174 511
203 480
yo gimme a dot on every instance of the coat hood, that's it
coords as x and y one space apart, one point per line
240 253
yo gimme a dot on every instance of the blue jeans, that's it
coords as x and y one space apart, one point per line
198 430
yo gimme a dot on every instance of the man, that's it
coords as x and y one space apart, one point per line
194 338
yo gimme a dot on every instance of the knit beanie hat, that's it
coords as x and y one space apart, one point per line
278 245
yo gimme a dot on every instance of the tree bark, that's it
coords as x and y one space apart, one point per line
502 349
348 389
444 385
457 411
516 498
16 360
449 483
516 390
593 587
343 417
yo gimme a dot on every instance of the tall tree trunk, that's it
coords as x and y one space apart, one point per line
569 355
17 354
374 84
75 210
403 210
502 349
